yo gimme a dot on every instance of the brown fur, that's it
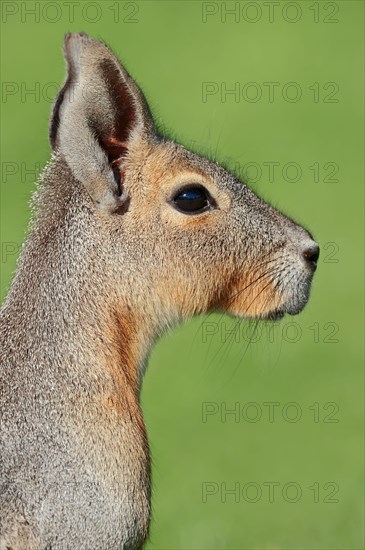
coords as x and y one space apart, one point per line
110 263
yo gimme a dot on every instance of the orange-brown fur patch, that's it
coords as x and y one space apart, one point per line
122 363
252 294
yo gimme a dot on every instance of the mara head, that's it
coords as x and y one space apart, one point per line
178 234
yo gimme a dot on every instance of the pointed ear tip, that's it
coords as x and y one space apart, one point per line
75 40
76 36
74 43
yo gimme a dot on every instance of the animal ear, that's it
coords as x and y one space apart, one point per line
97 114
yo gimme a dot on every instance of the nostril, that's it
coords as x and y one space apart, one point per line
311 255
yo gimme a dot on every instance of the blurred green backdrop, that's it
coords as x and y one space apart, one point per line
295 130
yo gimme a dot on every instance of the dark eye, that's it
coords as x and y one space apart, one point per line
192 200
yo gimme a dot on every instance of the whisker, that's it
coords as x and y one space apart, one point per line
206 317
250 340
265 275
272 272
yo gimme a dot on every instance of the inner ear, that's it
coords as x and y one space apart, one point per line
113 135
125 111
116 151
125 119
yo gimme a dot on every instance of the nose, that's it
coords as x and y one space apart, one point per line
311 255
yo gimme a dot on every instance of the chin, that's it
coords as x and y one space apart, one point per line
291 301
275 315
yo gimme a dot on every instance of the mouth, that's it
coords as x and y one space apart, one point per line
293 306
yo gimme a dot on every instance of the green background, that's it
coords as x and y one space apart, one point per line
313 358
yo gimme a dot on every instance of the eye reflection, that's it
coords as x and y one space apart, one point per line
193 199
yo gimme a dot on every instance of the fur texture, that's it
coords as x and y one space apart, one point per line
109 264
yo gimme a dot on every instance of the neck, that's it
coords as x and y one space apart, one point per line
63 316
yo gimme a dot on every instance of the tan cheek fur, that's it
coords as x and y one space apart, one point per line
165 173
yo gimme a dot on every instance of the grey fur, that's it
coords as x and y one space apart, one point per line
95 286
